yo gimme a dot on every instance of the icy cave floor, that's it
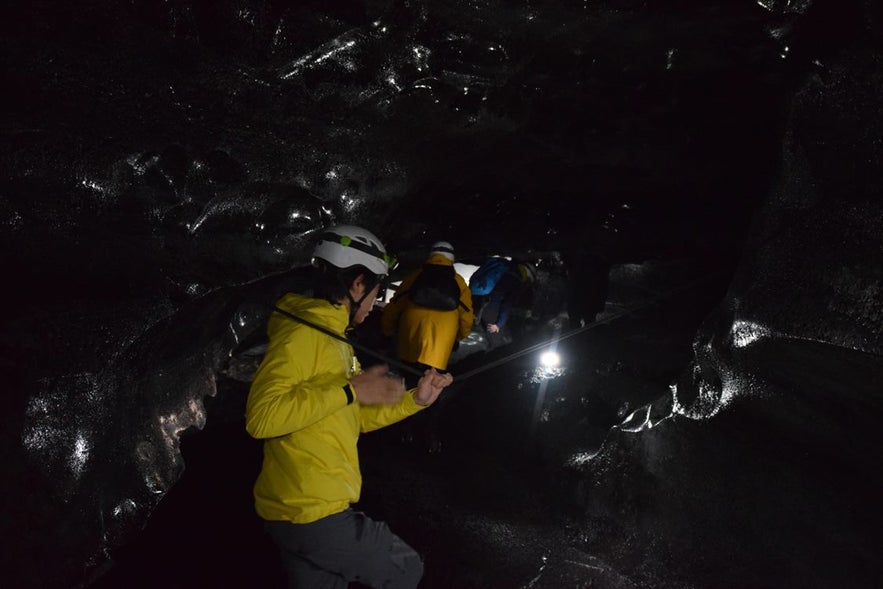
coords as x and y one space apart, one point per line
485 501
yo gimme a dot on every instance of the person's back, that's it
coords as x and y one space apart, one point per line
509 284
512 292
424 335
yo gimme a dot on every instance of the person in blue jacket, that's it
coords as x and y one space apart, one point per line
513 293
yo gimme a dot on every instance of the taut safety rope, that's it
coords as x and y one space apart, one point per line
356 345
532 348
576 331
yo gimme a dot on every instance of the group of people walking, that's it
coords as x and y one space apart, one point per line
425 335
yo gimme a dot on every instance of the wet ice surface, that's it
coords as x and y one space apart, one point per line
679 446
165 164
536 482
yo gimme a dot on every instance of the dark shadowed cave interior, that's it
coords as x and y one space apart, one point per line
697 184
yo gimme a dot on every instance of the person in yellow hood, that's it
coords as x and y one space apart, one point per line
309 402
426 333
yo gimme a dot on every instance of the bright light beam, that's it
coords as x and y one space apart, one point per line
549 366
550 359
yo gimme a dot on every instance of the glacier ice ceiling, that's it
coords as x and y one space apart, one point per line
697 182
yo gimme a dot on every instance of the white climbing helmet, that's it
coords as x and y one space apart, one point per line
444 248
344 246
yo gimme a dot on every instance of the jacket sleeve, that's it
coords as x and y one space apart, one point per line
287 394
373 417
467 315
503 315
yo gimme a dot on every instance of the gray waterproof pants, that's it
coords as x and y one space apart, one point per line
344 547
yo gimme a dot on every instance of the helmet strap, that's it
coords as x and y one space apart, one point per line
354 304
354 307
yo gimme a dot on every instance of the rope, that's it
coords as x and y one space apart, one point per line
356 345
576 331
543 344
470 373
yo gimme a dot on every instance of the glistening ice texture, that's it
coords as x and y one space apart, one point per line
166 165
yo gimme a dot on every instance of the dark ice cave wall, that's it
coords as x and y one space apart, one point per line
167 164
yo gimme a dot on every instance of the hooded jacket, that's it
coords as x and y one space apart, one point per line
426 335
299 406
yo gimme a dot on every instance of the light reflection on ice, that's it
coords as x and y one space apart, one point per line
542 373
580 458
91 184
38 438
80 454
172 425
549 367
124 507
638 420
710 402
326 52
642 419
745 333
786 6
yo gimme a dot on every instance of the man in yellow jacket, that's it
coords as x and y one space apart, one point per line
425 336
309 402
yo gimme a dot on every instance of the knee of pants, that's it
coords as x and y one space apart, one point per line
412 569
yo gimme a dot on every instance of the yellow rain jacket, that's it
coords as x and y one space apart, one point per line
427 335
297 404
